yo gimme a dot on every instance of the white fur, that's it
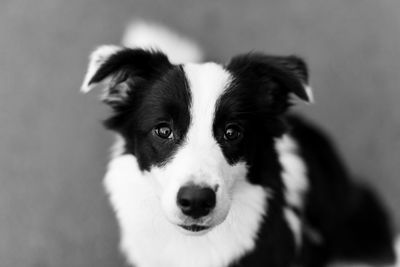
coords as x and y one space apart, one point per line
397 249
294 171
146 35
294 175
294 224
145 202
118 148
98 57
150 240
294 99
309 93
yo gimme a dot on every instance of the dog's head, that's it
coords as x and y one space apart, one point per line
198 130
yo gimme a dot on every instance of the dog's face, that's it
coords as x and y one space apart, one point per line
197 131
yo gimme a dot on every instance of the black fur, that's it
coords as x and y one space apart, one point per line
278 76
342 221
156 93
350 220
257 99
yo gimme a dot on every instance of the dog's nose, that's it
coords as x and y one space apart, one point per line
196 201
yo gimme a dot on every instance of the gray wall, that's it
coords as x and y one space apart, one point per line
53 211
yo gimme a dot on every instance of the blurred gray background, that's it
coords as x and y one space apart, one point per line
54 151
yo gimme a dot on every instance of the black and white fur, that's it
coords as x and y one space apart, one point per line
283 197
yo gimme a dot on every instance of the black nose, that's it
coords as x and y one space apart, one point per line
196 201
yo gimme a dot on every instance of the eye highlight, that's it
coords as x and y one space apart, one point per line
164 131
233 132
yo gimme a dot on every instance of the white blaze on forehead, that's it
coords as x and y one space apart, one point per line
199 159
207 82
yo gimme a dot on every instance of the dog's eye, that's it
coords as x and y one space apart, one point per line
164 131
232 132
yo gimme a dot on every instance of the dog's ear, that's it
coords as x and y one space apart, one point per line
119 70
288 74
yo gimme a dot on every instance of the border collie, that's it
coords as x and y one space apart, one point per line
209 170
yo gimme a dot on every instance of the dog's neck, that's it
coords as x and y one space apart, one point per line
149 240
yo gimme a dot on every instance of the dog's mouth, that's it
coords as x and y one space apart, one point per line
195 228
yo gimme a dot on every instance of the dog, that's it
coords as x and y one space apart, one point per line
209 169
